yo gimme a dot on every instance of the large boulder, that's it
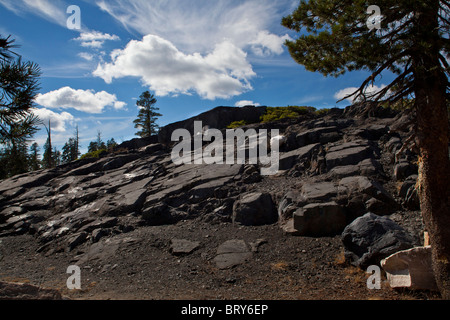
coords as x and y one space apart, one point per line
255 209
319 219
371 238
360 193
158 214
367 167
319 191
349 153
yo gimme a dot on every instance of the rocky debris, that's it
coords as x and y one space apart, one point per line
232 253
25 291
404 169
410 269
76 240
183 246
408 193
333 169
371 238
326 207
254 209
256 244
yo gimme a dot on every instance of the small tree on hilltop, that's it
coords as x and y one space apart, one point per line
147 116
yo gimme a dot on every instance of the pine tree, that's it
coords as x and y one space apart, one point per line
98 144
15 160
35 163
69 152
57 157
76 150
48 157
18 87
111 144
336 36
147 116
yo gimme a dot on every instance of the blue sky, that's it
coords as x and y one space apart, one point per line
193 55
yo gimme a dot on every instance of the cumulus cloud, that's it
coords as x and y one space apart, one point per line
371 89
223 73
195 46
266 43
87 101
244 103
95 39
59 121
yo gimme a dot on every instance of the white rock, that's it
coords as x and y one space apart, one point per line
281 140
410 269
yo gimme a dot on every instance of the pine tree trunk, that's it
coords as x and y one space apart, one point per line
430 85
434 188
434 171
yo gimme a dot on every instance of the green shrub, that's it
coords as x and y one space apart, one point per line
237 124
322 112
290 112
93 154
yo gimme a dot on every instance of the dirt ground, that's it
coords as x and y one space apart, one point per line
140 265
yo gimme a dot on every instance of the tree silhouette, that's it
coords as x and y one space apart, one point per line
18 87
147 116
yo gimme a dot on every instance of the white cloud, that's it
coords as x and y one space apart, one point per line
199 25
371 89
244 103
267 44
82 100
59 121
95 39
195 46
51 10
86 56
223 73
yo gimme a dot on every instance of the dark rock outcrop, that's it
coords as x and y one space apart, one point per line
334 168
218 118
